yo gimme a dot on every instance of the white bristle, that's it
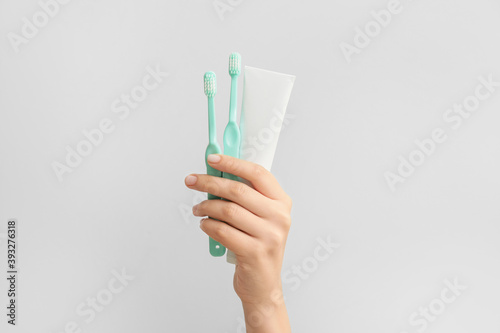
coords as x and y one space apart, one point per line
210 84
234 64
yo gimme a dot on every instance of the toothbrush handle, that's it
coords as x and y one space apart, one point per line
216 248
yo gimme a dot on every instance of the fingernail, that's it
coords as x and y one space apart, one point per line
191 180
213 158
195 208
202 220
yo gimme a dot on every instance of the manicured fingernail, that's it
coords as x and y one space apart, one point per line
191 180
213 158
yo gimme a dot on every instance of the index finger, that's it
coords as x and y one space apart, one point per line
259 177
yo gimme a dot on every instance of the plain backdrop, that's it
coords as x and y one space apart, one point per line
125 208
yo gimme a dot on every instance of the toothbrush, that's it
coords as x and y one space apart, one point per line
210 88
232 135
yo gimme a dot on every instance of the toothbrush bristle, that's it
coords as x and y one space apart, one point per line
210 84
234 64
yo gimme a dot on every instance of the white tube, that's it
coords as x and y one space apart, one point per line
265 97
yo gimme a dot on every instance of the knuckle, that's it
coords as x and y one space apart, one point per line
274 242
220 230
232 165
212 187
275 238
238 190
283 218
287 222
230 210
258 170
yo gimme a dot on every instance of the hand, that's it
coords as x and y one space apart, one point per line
255 228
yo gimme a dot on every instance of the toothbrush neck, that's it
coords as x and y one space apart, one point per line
212 130
234 98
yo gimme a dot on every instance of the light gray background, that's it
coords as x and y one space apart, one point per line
125 206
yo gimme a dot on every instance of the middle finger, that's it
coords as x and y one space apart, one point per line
238 192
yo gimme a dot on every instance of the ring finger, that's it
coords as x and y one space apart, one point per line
232 214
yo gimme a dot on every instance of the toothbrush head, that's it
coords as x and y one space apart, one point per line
234 64
210 84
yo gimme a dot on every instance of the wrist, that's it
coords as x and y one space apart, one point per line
267 314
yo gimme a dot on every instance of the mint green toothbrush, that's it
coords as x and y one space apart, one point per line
232 132
210 87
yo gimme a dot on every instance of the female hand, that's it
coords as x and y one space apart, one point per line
255 228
